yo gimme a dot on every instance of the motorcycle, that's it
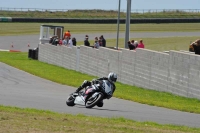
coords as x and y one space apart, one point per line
95 96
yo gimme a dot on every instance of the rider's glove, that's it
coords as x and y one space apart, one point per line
94 81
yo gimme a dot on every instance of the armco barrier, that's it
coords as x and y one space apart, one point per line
107 21
176 72
5 19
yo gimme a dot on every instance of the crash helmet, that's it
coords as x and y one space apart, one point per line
112 77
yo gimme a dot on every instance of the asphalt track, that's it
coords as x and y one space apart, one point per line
21 89
18 88
23 43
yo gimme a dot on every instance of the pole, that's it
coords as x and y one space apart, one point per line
118 21
128 12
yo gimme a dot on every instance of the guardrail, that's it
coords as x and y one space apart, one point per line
5 19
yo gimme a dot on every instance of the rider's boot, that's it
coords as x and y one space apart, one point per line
85 83
79 89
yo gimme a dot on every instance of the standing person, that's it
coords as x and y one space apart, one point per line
96 44
136 44
141 44
65 41
67 34
74 41
86 42
103 41
100 42
70 43
131 46
196 46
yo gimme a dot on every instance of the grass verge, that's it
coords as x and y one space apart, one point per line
73 78
34 28
105 14
17 120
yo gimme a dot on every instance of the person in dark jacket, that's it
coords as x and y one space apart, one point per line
103 41
196 46
131 46
74 41
112 78
86 42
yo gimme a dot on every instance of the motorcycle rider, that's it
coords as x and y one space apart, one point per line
112 78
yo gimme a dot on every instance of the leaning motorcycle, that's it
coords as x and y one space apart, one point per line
95 96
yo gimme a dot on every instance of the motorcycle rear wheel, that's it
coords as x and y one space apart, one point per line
91 103
70 101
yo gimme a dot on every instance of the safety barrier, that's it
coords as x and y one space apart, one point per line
176 72
5 19
107 21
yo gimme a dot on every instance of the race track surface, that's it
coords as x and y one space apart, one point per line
21 43
18 88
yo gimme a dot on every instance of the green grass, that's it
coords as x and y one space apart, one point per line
73 78
13 119
17 120
34 28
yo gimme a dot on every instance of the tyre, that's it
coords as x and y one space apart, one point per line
91 102
100 104
70 101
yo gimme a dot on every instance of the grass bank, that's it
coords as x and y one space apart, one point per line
17 120
73 78
104 14
34 28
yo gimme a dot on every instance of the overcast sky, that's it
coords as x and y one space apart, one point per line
101 4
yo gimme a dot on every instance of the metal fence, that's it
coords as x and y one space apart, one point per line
122 10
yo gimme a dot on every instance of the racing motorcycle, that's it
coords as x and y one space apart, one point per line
95 95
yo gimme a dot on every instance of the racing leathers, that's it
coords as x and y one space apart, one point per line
98 83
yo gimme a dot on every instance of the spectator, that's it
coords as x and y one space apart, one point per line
70 43
131 46
141 44
96 38
132 42
74 41
86 42
96 44
51 39
100 42
136 44
60 42
67 34
103 41
196 46
65 41
55 41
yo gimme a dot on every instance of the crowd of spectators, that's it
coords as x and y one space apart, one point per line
66 41
69 42
134 44
98 42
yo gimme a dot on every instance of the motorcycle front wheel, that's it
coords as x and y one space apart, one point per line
91 102
70 100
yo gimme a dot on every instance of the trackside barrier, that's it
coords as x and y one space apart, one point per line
108 21
176 72
5 19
